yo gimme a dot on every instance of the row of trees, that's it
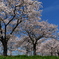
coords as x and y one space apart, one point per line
49 47
21 26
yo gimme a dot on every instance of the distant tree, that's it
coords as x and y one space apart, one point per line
1 49
11 44
26 45
36 30
12 14
50 47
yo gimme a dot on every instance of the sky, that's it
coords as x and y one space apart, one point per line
50 11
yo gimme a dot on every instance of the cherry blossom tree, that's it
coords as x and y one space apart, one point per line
49 47
11 44
26 45
37 30
1 49
12 14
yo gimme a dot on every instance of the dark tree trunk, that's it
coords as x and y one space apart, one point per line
27 51
34 49
58 53
51 53
4 43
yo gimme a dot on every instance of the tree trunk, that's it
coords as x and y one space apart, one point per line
4 43
58 53
26 51
34 49
51 53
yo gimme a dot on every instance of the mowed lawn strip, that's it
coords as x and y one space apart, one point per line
29 57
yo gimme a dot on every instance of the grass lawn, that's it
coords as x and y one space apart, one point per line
29 57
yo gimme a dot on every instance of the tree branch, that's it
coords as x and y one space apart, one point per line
13 16
15 27
30 36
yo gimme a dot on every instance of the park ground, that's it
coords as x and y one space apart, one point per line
29 57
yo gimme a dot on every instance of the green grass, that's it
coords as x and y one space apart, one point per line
29 57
